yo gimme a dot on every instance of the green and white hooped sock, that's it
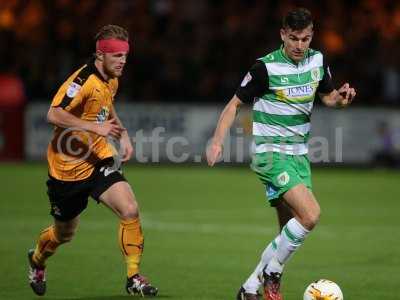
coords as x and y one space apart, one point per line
292 237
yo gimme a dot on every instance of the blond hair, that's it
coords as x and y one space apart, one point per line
112 32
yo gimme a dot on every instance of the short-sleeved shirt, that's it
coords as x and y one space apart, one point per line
73 153
258 86
282 93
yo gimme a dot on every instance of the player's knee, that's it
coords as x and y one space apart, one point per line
130 212
65 237
312 218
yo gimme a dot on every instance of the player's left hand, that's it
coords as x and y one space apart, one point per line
126 147
346 95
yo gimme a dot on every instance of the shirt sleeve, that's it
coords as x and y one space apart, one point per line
326 85
71 94
254 84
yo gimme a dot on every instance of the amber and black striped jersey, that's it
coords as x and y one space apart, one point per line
72 153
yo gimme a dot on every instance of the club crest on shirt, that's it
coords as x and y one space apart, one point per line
246 80
102 116
73 89
316 74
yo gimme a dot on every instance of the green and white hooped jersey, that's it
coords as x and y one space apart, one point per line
283 93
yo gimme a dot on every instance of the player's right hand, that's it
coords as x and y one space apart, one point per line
109 128
214 152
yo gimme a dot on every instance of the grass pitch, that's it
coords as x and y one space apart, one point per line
204 232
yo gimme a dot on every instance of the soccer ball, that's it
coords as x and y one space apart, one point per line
323 289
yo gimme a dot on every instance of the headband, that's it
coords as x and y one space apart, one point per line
112 45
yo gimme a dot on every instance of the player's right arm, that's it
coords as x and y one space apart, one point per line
62 118
254 84
225 122
72 96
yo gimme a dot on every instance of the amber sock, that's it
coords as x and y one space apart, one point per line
45 247
130 238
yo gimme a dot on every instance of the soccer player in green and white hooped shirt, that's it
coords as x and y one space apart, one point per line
282 86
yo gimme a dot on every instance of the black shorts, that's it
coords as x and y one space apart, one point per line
69 198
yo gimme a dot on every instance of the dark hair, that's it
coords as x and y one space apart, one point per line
112 31
297 19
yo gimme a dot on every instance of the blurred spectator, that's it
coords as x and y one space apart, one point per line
387 155
11 91
390 75
12 100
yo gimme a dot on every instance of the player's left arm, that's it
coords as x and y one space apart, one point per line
125 142
339 98
332 97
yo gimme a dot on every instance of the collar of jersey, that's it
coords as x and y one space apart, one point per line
289 60
94 70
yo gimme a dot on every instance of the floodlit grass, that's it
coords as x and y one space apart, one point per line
205 229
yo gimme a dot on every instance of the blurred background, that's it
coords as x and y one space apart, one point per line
205 227
187 59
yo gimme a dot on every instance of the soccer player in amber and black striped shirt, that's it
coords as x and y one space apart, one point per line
81 163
